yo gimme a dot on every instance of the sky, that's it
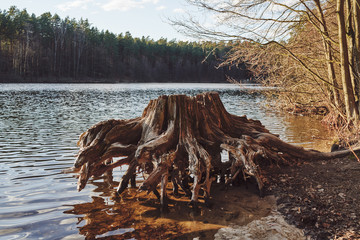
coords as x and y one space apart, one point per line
139 17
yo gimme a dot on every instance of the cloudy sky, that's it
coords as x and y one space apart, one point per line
139 17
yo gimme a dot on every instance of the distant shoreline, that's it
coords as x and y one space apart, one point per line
110 81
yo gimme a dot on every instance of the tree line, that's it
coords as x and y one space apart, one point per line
47 48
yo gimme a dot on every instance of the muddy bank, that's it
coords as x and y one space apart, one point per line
322 197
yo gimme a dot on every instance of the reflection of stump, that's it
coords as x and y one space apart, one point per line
181 137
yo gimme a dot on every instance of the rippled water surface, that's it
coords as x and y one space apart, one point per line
39 128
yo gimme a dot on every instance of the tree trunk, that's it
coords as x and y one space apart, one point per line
352 112
328 55
356 16
182 137
350 33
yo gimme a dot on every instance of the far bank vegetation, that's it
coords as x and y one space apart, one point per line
48 48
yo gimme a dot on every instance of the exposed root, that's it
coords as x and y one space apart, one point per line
181 137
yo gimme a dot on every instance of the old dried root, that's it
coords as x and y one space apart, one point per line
181 138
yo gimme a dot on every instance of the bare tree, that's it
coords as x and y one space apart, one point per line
326 63
348 85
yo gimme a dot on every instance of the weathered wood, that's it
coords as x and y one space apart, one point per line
181 137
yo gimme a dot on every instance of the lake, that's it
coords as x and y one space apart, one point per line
40 125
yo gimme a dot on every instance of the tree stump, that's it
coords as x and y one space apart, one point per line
180 138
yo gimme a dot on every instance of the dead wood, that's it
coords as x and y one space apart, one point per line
181 138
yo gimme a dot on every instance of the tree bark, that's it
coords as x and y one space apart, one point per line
352 112
181 137
356 16
350 33
335 96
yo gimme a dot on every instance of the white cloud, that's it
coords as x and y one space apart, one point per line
125 5
74 4
179 10
122 5
159 8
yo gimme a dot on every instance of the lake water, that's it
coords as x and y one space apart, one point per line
40 125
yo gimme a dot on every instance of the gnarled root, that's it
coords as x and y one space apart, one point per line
180 137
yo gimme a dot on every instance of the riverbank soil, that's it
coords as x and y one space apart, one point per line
321 197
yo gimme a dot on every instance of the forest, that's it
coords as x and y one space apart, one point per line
47 48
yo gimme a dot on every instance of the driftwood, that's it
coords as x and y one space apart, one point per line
180 138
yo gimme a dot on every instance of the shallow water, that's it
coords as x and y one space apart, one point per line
39 128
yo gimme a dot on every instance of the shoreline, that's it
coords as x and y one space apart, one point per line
315 200
320 197
9 79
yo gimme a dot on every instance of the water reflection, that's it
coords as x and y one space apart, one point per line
136 215
39 128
